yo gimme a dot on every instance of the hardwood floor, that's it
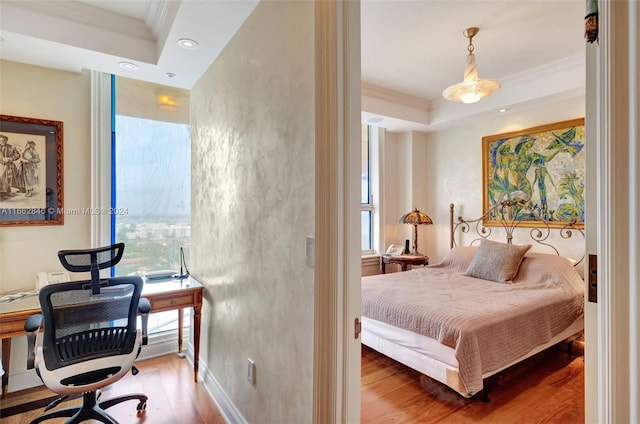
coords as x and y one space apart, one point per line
546 388
166 380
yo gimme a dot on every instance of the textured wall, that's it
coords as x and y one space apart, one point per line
252 208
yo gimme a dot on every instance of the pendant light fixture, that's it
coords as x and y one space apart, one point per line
472 88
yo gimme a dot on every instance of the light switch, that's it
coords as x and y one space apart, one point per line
311 251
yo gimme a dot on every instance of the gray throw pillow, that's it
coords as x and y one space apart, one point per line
496 261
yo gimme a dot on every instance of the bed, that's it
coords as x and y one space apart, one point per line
485 307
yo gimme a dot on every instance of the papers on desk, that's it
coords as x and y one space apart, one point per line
15 296
164 274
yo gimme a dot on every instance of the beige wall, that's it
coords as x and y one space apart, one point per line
43 93
447 168
252 208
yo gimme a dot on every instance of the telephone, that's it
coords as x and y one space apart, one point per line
46 278
395 249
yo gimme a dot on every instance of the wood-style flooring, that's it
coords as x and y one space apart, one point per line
166 380
547 388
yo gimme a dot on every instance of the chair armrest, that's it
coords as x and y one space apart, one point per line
31 327
143 308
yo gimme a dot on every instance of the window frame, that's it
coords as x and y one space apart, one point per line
102 189
375 144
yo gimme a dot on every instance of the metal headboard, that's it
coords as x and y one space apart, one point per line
507 211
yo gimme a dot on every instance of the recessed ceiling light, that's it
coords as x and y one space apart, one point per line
170 75
503 110
374 120
187 43
128 66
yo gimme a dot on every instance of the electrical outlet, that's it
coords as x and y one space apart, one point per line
251 372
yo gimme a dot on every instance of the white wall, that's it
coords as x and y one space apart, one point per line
43 93
394 193
406 184
447 168
252 208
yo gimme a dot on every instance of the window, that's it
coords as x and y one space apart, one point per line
151 176
151 181
371 193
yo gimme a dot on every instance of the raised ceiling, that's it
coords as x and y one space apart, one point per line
99 34
411 50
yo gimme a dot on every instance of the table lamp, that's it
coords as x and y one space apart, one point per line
415 218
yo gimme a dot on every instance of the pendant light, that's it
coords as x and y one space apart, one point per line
472 88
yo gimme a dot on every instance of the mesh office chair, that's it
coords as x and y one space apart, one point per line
90 338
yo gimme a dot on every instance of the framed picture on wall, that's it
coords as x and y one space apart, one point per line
30 171
541 168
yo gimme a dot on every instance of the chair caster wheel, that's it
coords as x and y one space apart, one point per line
142 407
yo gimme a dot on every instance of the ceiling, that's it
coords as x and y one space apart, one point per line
99 34
411 50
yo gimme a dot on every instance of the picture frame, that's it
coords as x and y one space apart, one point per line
31 171
542 169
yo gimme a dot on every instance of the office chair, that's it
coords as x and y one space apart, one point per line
90 338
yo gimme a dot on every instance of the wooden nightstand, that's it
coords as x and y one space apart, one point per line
403 260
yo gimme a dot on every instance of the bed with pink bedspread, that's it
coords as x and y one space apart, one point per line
464 319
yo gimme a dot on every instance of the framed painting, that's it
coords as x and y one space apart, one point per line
542 169
30 171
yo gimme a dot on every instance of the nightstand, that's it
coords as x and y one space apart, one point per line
403 260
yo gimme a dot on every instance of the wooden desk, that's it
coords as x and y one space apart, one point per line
163 295
403 260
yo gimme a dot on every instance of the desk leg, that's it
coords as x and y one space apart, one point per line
6 362
197 315
180 322
384 268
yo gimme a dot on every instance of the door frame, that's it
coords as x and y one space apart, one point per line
336 366
616 111
613 358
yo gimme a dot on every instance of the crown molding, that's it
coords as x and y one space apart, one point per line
84 14
388 95
155 16
556 81
568 64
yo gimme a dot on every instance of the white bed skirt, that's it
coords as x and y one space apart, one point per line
431 358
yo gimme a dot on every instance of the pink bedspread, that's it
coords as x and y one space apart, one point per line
488 324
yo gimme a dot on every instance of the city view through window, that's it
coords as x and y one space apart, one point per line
152 183
152 179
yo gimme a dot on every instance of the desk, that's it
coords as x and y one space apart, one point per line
163 295
403 260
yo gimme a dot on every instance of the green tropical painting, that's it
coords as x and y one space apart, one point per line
541 168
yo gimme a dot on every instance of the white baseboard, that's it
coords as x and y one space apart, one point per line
229 412
23 380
